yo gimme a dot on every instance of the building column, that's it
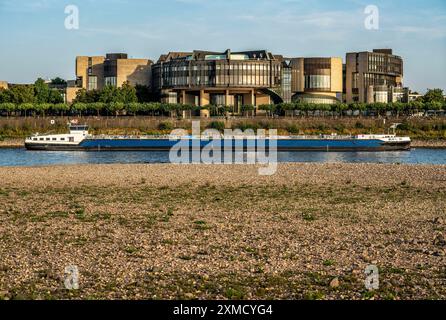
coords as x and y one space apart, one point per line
183 96
204 98
226 97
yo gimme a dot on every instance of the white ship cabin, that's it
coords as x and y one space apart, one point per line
77 134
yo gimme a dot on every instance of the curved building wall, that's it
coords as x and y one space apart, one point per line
223 74
318 77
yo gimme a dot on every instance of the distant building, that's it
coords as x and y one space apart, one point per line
222 78
94 73
4 85
413 96
317 80
113 69
374 77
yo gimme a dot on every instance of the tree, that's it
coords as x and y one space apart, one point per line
7 107
6 96
115 107
60 108
433 95
109 94
26 107
79 107
58 81
98 107
143 93
22 94
42 108
55 97
41 91
127 93
134 108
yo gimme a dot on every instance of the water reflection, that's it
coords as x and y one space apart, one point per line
22 157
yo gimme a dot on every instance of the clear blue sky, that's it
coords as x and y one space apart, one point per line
35 43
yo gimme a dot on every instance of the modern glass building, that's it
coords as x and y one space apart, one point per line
374 77
317 80
229 78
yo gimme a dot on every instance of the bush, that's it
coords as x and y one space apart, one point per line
166 126
359 125
293 129
218 125
245 126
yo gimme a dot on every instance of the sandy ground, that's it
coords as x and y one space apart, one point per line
196 231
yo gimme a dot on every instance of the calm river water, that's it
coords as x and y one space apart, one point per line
22 157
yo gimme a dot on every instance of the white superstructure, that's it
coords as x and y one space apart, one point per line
77 134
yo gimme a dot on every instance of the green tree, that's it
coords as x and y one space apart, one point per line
143 93
7 107
58 81
43 108
115 107
127 93
55 97
110 94
26 108
22 94
134 108
79 108
6 96
41 91
433 95
60 108
97 107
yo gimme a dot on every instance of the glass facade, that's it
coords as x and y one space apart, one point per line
110 81
92 83
317 82
317 74
228 73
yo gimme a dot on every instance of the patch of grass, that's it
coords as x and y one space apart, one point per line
185 257
201 225
309 215
58 214
314 295
328 262
367 295
236 293
131 250
166 217
80 214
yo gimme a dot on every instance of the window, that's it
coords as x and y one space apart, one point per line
92 83
71 139
48 139
41 139
110 81
54 139
317 82
35 139
62 139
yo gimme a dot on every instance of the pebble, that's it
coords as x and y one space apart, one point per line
334 283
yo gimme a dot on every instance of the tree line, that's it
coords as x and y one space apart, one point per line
40 100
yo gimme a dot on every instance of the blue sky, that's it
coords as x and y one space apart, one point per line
35 42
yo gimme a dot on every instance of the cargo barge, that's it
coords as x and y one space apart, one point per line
79 139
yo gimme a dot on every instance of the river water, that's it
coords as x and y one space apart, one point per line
22 157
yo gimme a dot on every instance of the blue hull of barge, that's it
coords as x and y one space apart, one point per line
282 144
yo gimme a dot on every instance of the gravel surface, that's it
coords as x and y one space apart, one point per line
197 231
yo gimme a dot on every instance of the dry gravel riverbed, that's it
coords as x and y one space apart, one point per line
196 231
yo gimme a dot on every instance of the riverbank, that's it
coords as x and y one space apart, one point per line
416 143
196 231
